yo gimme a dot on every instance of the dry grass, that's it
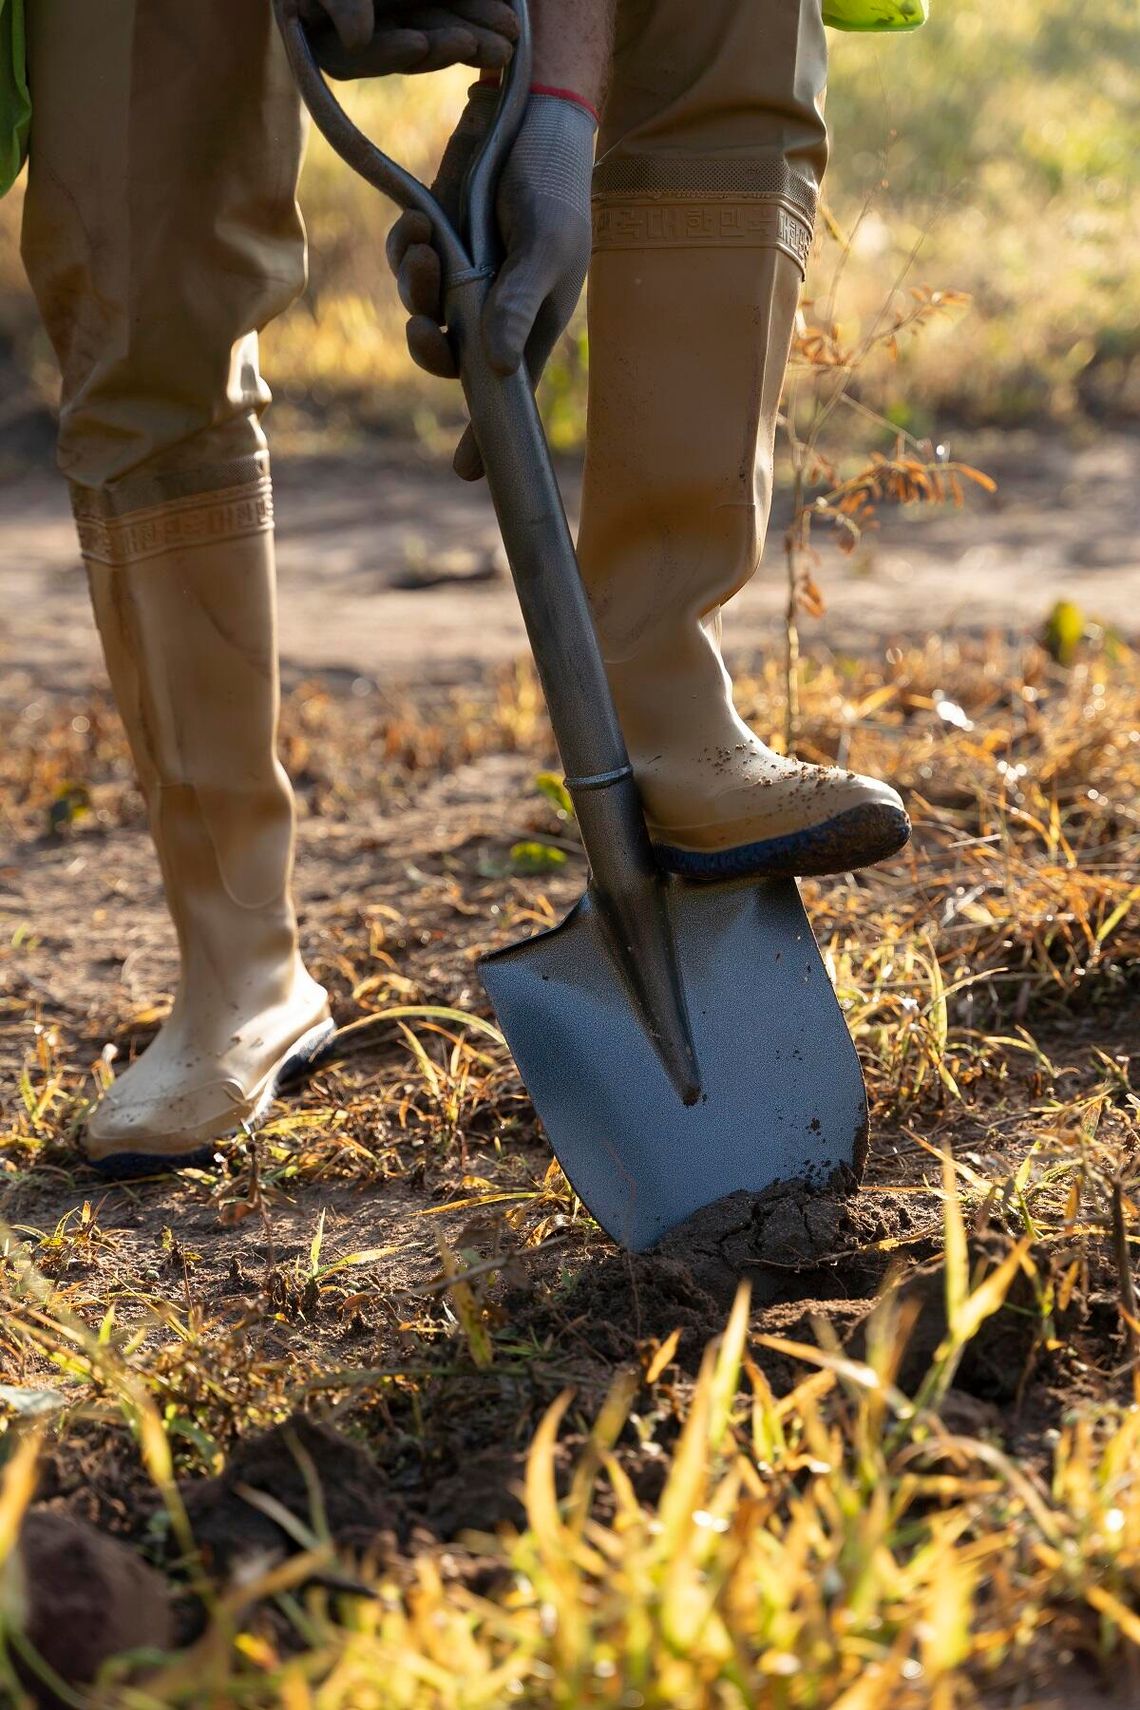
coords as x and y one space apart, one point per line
894 1506
905 1474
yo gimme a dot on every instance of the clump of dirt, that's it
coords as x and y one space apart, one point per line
791 1233
479 1496
1022 1351
788 1242
360 1513
466 1491
96 1475
618 1301
827 1255
86 1597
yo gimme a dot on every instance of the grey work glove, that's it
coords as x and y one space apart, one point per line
543 211
370 38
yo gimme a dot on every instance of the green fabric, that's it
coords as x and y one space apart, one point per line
875 14
15 105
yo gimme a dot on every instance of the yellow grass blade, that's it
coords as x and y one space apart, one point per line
725 1380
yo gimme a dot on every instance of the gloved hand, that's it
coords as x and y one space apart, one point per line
370 38
543 210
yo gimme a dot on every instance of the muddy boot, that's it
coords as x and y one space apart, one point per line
184 599
692 300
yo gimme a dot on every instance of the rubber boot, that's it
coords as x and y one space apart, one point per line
189 637
689 341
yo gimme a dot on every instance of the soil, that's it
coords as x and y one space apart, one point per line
233 1533
89 1597
418 869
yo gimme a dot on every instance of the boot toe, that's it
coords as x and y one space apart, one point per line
141 1128
138 1127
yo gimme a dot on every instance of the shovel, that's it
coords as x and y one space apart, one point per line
680 1039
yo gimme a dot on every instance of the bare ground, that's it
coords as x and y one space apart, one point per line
402 886
390 568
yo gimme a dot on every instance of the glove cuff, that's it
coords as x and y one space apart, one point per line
567 95
493 79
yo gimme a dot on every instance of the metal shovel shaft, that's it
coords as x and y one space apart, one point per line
537 538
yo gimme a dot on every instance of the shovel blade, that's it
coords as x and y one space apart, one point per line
782 1094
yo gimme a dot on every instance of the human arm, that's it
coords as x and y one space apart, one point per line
573 46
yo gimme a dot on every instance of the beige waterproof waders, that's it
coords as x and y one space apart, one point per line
160 233
711 153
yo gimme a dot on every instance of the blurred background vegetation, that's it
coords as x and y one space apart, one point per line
996 152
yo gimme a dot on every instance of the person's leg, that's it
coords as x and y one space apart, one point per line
161 232
710 158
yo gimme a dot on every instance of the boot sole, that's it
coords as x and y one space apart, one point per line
857 838
121 1166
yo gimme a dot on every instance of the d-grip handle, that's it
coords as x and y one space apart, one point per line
473 246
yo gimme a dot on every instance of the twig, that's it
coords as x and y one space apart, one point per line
1130 1312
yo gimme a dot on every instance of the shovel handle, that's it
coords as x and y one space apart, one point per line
473 245
532 519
